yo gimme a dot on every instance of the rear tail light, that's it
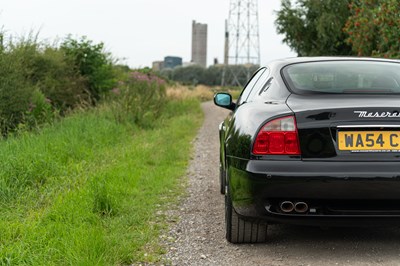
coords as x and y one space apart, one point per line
278 136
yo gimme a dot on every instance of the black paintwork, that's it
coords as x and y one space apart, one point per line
344 188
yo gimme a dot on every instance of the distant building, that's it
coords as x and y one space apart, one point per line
172 61
158 65
186 64
199 44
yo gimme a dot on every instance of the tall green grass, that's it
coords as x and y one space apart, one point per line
88 190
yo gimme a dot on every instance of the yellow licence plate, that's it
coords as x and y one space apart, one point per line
369 140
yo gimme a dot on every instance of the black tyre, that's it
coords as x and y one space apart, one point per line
239 230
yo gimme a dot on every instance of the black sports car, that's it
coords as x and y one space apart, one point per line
313 141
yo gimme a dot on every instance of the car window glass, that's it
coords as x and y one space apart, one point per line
344 77
249 86
259 85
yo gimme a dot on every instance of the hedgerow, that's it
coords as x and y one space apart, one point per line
39 82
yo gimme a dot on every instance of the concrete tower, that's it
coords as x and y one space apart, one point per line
199 44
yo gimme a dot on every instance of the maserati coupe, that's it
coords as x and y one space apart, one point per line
312 141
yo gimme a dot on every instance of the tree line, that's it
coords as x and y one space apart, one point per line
211 76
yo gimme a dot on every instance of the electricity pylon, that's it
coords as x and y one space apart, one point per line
242 42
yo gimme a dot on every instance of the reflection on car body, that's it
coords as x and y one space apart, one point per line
312 141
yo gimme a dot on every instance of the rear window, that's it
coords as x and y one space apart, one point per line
353 77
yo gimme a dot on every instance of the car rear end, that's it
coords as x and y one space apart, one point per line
336 159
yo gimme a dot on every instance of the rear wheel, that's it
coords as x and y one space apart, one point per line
239 230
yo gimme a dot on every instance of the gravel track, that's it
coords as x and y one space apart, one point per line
197 233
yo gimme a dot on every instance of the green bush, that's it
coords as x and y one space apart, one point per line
58 79
93 63
39 81
34 75
15 89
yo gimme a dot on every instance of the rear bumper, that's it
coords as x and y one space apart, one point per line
337 193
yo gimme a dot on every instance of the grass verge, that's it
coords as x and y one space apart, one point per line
88 191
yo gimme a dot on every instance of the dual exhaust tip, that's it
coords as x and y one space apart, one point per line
289 206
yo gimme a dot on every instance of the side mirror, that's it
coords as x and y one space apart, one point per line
224 100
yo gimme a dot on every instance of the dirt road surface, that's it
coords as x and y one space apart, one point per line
198 235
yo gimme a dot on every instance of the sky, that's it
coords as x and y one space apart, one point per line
138 32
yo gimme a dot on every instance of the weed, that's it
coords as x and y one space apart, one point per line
138 100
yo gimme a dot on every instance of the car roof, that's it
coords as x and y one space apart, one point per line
279 63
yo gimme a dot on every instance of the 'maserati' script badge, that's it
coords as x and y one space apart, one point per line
365 114
376 141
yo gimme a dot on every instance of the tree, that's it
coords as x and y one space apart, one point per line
314 27
92 63
374 28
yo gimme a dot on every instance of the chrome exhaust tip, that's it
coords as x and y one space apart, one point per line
286 206
301 207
